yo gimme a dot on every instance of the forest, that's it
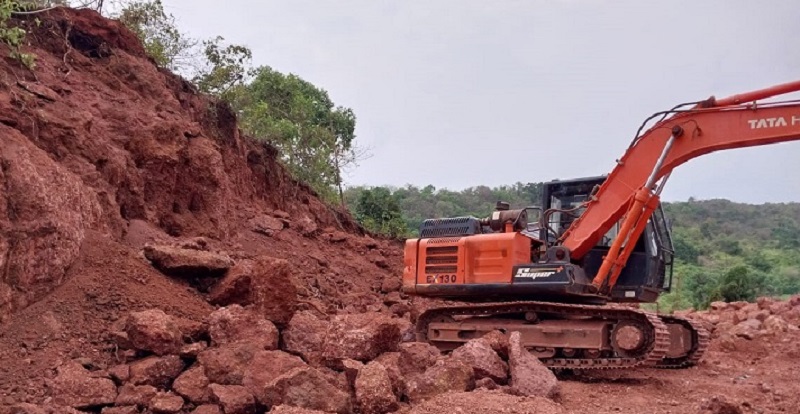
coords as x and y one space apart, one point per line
724 250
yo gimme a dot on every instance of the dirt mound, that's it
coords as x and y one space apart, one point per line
102 154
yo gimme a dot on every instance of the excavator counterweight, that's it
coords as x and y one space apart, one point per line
563 279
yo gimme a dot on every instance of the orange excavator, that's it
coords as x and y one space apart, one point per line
564 274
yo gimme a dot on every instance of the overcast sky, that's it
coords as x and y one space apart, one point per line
459 93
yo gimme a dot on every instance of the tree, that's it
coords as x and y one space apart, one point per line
225 68
739 283
378 211
315 137
159 34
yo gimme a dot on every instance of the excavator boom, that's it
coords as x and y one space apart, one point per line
712 125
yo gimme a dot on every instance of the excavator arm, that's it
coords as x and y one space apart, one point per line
631 192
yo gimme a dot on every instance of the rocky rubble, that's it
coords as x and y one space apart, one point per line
735 321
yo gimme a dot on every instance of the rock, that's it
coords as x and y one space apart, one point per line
288 409
760 315
175 261
266 283
265 367
236 287
274 291
155 331
779 308
392 298
416 357
207 409
747 329
26 408
400 309
718 405
391 361
727 342
128 409
266 225
764 302
486 384
306 387
166 402
362 336
120 373
351 367
233 399
391 284
794 301
775 325
226 364
46 215
156 371
135 395
307 227
718 306
39 90
373 390
479 354
305 336
498 341
236 324
193 384
528 375
447 375
191 351
74 386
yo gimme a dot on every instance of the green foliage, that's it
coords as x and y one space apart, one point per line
14 36
159 34
377 210
315 137
226 68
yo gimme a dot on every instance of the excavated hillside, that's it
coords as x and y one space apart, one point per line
155 260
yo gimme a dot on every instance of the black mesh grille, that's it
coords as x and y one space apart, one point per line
449 227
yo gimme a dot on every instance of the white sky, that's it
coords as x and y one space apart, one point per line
459 93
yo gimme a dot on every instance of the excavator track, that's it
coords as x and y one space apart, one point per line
700 339
655 332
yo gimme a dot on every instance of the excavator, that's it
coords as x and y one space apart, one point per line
569 275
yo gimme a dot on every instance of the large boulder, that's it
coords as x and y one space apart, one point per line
226 364
747 329
155 331
447 375
775 325
156 371
181 262
306 387
75 386
207 409
266 283
193 384
265 367
373 389
305 336
416 357
237 324
362 336
233 399
528 375
391 361
478 353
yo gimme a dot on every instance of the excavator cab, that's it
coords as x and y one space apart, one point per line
648 271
